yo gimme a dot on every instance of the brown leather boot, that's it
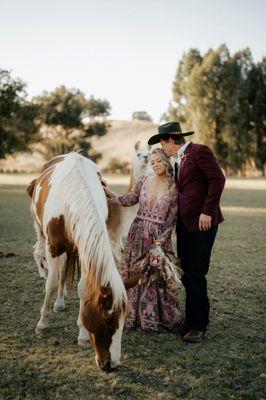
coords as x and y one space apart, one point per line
194 336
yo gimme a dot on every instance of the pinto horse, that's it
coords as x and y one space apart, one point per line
70 211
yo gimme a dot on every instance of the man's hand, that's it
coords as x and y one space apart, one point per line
205 222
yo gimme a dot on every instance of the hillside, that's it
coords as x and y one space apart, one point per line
117 143
120 140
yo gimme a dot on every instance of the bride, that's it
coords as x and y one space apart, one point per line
154 301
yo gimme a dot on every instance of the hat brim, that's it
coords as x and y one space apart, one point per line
156 138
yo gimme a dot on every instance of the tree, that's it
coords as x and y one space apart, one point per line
222 98
69 120
142 116
18 126
177 110
257 101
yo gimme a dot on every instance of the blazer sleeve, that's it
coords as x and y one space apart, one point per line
208 164
130 198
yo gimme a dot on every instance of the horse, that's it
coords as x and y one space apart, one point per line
70 210
120 218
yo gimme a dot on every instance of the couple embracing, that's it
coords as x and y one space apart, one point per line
186 198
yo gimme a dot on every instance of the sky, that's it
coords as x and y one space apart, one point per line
124 51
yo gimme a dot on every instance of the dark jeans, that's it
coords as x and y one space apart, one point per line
194 251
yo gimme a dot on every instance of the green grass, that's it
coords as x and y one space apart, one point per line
226 365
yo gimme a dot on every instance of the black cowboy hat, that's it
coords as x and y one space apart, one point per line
170 129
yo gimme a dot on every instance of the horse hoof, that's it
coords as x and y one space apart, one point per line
84 343
41 331
59 308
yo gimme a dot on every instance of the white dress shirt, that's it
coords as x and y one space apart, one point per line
178 158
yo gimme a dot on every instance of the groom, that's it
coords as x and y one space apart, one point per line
200 182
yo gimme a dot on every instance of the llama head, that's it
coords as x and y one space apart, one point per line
141 165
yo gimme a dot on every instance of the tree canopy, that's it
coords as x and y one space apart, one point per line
60 121
18 116
223 98
69 120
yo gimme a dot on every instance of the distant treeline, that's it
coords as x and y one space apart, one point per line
222 97
60 121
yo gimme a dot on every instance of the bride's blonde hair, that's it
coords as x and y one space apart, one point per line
166 160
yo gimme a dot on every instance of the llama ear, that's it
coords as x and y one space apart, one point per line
133 281
137 144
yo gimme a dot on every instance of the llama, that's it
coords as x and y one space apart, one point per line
120 218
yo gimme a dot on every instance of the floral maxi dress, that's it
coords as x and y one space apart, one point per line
154 304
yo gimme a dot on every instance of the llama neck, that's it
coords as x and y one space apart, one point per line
135 174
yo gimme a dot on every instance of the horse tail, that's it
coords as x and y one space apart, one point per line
31 187
72 264
86 210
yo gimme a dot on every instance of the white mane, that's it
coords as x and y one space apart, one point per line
86 211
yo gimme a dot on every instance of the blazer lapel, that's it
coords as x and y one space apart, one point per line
183 162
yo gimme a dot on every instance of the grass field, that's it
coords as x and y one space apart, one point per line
226 365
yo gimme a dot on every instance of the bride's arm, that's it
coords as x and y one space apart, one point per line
128 199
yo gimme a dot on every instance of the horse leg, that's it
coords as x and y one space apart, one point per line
50 287
83 338
39 252
59 304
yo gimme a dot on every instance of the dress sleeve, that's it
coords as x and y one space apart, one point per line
130 198
170 219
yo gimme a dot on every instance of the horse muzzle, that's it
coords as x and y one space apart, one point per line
105 365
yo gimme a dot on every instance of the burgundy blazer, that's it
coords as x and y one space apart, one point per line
200 185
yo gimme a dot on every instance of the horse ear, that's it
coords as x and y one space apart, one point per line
133 281
106 297
137 144
105 291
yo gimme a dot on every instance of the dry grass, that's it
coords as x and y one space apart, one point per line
227 365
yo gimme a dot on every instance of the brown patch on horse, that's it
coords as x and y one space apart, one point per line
57 237
51 162
43 182
31 187
59 243
48 164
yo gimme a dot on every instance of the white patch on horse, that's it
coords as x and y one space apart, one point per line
115 348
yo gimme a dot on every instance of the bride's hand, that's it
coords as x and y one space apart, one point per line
108 192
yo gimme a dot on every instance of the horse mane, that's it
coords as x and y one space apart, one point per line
75 178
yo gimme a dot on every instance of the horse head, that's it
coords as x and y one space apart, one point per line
104 322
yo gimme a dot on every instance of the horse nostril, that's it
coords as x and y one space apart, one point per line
107 366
